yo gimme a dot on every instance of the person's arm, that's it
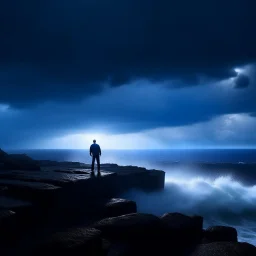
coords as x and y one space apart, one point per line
99 150
90 150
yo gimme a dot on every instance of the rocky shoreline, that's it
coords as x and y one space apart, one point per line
125 233
59 208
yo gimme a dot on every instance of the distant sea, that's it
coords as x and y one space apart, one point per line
223 197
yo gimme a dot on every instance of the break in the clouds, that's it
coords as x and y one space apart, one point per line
124 67
122 117
227 131
67 50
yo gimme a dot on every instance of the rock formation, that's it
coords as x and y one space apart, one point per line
17 162
60 209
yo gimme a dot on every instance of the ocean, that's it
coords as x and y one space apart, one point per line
223 197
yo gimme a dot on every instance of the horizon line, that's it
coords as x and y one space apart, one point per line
208 148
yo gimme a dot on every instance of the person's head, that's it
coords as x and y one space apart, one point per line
94 141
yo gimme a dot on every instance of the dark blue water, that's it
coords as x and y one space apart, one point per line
223 197
147 157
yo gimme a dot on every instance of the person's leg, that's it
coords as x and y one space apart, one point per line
93 160
98 162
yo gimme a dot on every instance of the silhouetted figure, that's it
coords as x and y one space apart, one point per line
95 152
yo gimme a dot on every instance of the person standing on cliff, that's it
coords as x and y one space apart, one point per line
95 152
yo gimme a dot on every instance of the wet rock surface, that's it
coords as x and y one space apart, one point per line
48 196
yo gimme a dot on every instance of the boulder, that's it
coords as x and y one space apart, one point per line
118 206
130 227
143 247
224 249
180 228
78 241
219 234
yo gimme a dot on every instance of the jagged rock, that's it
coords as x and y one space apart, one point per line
3 154
17 162
130 227
225 249
118 206
181 228
26 162
219 234
74 242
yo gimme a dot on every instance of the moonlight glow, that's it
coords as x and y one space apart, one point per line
238 70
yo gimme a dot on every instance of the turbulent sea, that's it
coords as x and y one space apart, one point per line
223 197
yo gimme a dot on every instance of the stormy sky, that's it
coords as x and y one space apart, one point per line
131 74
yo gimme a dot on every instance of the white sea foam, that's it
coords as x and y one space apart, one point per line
222 201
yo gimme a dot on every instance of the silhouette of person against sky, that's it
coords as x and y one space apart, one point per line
95 152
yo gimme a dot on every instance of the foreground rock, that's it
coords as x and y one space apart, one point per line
69 187
118 206
63 209
65 194
180 228
220 234
72 242
225 249
137 234
129 227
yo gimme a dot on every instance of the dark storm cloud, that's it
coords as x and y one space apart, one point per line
127 109
241 81
56 49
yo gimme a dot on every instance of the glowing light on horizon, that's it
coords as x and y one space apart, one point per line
107 141
224 131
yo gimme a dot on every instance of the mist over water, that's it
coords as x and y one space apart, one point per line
221 201
222 197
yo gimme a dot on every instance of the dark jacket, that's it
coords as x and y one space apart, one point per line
95 149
